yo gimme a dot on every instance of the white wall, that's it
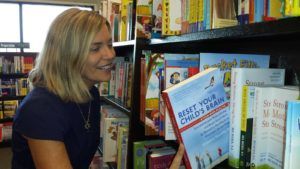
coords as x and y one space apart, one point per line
95 3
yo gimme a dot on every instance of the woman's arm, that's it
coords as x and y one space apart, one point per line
178 158
49 154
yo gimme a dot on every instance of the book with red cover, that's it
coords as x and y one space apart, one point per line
199 112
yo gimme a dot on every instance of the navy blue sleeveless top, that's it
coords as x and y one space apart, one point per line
43 115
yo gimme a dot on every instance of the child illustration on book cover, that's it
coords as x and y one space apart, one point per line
175 78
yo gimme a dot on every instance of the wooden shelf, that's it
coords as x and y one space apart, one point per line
116 103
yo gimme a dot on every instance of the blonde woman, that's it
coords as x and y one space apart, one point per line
57 124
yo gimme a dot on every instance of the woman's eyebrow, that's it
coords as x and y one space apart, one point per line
97 43
101 43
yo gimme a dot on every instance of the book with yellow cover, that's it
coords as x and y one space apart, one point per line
171 17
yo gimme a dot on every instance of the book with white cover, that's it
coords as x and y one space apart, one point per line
269 125
240 77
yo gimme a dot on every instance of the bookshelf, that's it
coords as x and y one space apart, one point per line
13 77
280 39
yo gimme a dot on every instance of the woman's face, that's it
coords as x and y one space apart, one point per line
100 60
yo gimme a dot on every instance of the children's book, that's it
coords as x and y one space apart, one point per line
156 18
122 144
143 19
292 137
171 17
110 137
199 112
227 61
223 13
161 158
140 149
240 77
177 68
269 125
154 62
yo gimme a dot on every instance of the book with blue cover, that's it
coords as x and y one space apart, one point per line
292 137
177 68
227 61
199 112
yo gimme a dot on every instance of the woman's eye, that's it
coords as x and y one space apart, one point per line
94 49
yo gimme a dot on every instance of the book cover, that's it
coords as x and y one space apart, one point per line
171 17
9 108
223 13
177 68
292 137
269 125
201 119
110 137
156 18
227 61
6 131
143 19
122 142
124 20
154 62
161 158
103 88
240 77
140 151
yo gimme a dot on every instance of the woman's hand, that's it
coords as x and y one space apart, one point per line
178 158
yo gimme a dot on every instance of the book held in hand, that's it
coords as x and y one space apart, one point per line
199 112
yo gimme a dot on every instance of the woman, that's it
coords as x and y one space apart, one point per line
57 124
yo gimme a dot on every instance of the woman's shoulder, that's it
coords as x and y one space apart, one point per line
41 96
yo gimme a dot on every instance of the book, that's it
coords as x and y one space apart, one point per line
223 13
292 135
140 149
154 62
161 158
156 18
201 119
227 61
171 17
124 20
9 108
6 131
122 142
143 19
240 77
177 69
110 137
248 94
269 125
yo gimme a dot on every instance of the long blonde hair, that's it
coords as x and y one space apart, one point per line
60 64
